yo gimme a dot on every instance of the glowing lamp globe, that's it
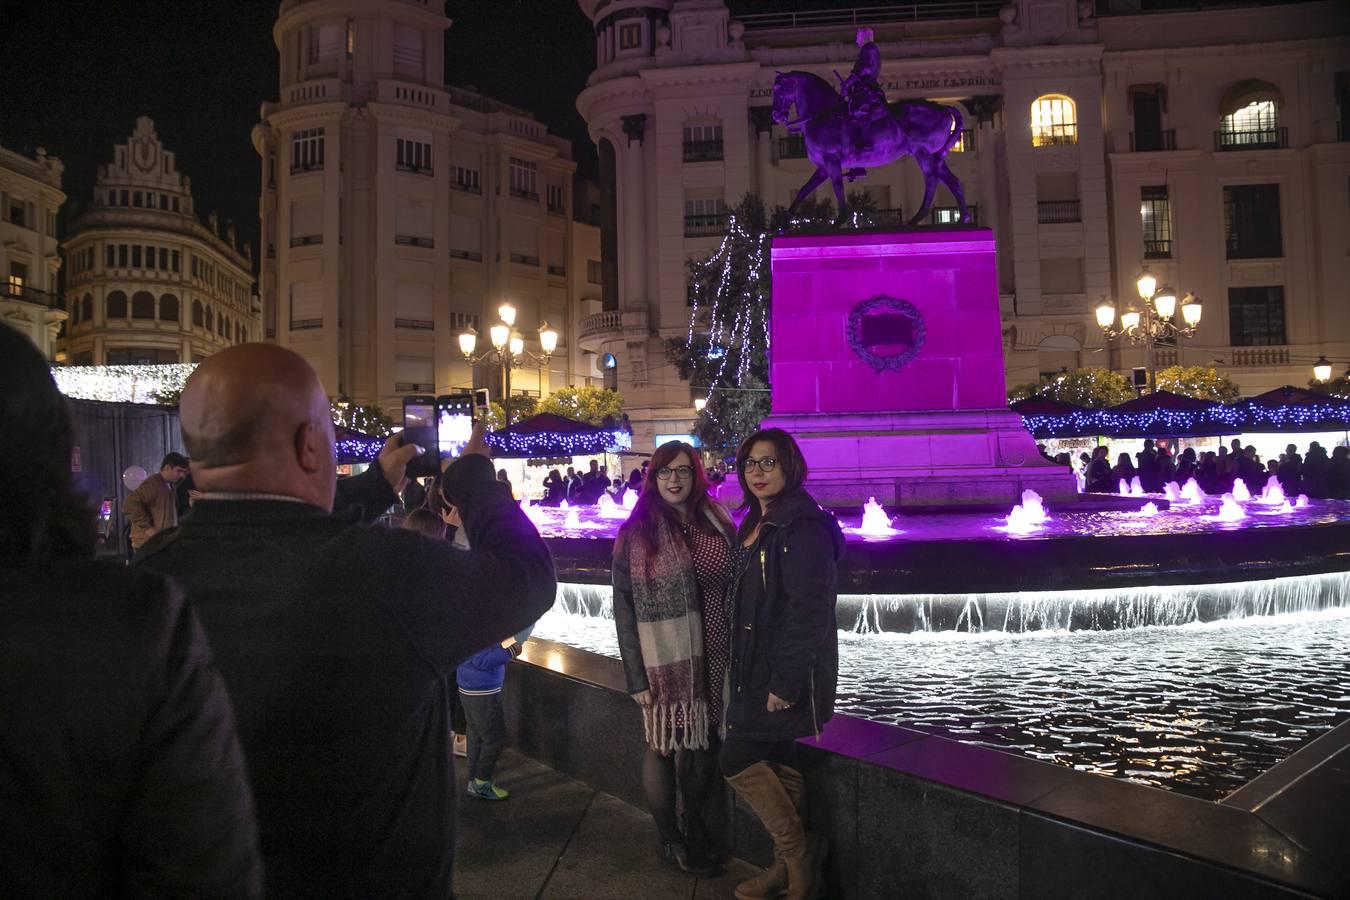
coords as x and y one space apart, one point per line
1146 284
1106 314
548 339
500 333
700 403
507 313
517 345
1130 320
1322 369
1165 302
467 342
1191 309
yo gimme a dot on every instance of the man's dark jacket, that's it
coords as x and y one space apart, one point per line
336 640
120 771
784 639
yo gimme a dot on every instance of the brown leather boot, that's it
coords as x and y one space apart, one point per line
797 857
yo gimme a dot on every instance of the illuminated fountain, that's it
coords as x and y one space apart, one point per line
875 522
1192 492
608 509
1124 489
535 514
630 499
572 517
1136 487
1303 502
1148 511
1172 491
1240 492
1230 510
1273 493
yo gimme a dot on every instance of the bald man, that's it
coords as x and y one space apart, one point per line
336 638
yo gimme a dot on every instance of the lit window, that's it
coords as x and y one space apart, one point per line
630 37
1256 123
1053 121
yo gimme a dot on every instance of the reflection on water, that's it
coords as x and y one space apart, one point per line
1200 708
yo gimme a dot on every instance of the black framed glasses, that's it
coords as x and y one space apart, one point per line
665 473
765 464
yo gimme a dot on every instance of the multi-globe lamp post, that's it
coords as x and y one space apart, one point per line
508 350
1157 322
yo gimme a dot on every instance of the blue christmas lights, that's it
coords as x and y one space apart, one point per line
1235 418
556 443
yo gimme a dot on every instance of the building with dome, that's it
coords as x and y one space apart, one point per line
398 211
146 281
1206 144
30 199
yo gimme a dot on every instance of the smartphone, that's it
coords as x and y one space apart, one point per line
454 423
481 401
419 427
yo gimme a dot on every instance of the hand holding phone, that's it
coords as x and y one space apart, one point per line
419 427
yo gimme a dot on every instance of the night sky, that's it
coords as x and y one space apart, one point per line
77 73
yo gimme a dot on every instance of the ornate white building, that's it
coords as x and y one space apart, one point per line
30 198
146 282
1205 144
397 211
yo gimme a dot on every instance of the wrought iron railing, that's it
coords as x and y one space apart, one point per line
29 294
412 240
1149 142
905 12
1158 249
705 225
703 151
1059 212
1274 138
1260 356
305 240
524 259
1054 135
525 195
792 147
1254 247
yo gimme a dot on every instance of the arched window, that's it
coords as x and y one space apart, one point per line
198 316
168 308
143 305
115 306
210 320
88 308
1054 120
1250 116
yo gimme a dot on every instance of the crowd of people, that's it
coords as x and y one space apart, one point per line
1314 472
261 702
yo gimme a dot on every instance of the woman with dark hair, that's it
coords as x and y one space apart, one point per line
785 654
1099 472
671 568
1124 470
121 771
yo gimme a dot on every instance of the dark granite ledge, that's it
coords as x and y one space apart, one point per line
876 774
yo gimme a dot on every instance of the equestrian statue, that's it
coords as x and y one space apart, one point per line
854 129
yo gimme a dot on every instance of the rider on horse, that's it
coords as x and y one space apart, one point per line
864 96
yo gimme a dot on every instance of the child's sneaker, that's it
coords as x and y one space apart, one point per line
460 745
486 790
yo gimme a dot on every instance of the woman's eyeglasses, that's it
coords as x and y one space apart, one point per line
764 465
665 473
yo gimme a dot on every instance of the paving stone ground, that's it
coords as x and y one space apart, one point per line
556 837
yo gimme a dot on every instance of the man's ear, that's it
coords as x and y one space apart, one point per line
307 453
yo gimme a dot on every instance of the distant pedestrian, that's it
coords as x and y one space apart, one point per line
153 507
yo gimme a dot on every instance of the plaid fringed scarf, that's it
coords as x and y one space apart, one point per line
670 633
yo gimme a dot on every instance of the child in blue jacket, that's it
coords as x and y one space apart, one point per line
480 691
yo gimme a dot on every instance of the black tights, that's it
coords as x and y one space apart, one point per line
691 773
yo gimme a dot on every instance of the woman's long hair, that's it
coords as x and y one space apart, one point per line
789 459
42 516
652 511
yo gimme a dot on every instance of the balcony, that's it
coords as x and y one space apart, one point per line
525 260
412 240
306 240
25 294
468 187
1252 139
557 271
889 218
951 215
417 170
471 255
1158 249
1153 141
791 147
556 209
1054 135
966 142
1059 212
1260 356
600 327
706 226
532 196
1254 247
702 151
415 324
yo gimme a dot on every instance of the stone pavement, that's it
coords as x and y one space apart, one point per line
558 838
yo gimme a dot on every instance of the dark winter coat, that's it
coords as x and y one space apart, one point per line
337 641
120 770
784 638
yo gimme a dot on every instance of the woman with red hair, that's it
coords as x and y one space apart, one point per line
671 572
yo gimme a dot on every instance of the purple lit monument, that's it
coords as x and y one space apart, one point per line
887 366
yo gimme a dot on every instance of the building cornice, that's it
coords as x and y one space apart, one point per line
1266 49
1047 57
708 73
294 13
106 223
412 115
629 90
318 113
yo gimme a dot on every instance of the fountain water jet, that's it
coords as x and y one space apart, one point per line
1273 493
1136 487
1240 492
1172 491
875 522
1192 492
1230 510
611 510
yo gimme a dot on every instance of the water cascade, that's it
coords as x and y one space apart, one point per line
572 521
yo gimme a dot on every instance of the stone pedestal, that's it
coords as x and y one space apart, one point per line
887 366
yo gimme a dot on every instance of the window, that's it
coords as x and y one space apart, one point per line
139 356
136 198
173 260
1251 221
408 54
413 156
88 308
16 212
705 217
1053 121
175 204
307 150
198 314
168 308
593 271
306 221
210 319
630 36
467 180
1155 213
702 143
524 179
465 237
115 306
122 256
413 306
306 305
18 278
555 198
351 39
50 220
142 305
1256 316
1254 126
239 332
412 222
109 256
135 256
414 374
462 322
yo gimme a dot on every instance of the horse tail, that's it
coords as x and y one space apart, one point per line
958 125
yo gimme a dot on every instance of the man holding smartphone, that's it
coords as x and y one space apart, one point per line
336 639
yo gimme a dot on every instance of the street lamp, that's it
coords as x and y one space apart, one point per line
508 349
1157 320
700 403
1322 369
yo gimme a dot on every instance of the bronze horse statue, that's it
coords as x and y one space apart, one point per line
842 147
